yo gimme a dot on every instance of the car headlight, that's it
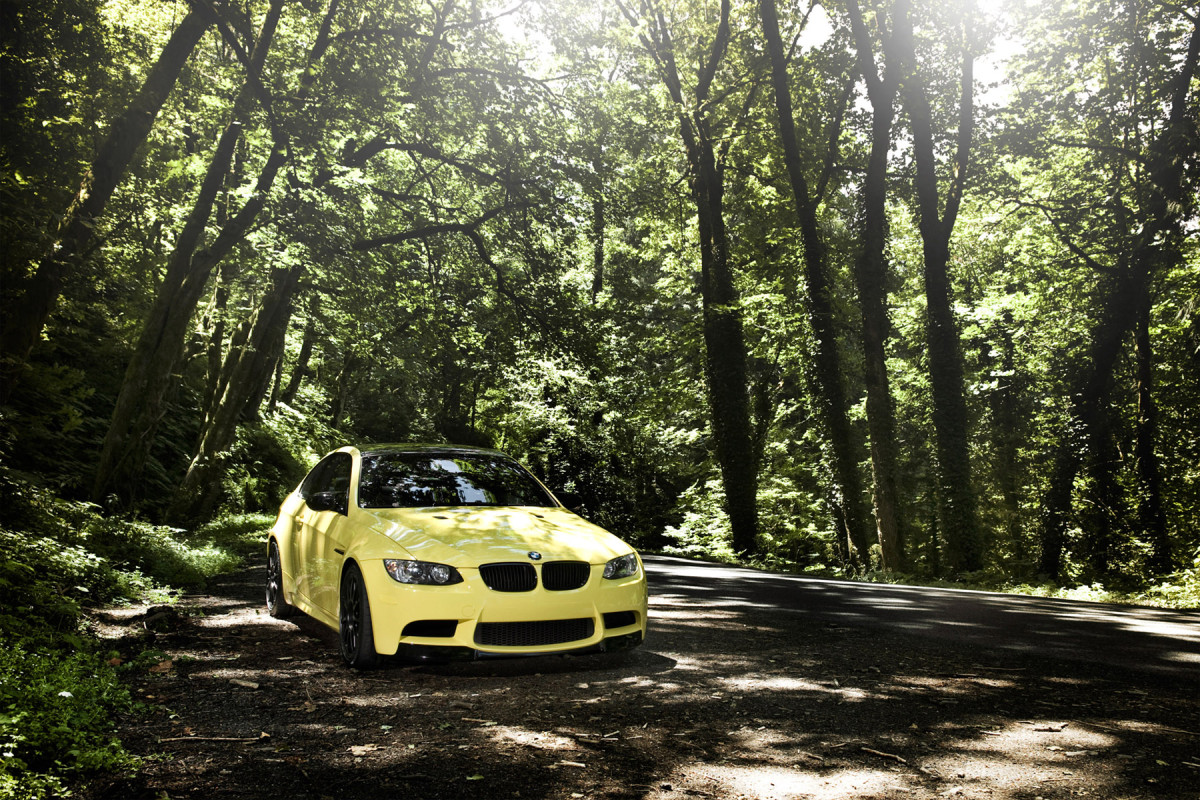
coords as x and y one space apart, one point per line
421 572
623 567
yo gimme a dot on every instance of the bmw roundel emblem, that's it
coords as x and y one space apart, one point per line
535 555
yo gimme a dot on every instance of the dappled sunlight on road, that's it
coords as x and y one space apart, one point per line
764 782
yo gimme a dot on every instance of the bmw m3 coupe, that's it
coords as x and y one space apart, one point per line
431 551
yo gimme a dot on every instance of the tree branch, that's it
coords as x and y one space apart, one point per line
429 231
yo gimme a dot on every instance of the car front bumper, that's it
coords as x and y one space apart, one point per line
469 620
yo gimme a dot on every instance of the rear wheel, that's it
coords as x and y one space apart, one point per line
354 621
277 605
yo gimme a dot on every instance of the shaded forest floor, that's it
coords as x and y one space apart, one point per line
738 703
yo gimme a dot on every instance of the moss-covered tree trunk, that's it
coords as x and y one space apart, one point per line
248 371
726 373
958 512
151 370
828 369
871 274
24 320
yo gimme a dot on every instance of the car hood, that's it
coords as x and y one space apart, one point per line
469 536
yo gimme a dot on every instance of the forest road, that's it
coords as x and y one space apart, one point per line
749 685
1164 641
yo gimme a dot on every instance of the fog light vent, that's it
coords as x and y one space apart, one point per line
436 628
619 619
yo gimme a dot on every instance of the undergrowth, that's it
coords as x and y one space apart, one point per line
60 688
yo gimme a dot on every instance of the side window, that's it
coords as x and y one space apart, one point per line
331 475
339 473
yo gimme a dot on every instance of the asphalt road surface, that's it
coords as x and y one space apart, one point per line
1145 639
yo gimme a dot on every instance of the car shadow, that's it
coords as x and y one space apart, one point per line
630 662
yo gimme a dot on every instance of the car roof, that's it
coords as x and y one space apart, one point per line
430 449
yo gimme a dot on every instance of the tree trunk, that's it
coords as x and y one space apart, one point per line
216 341
247 375
958 515
597 247
1088 404
1152 518
871 273
302 359
725 357
724 342
828 368
150 373
1105 514
1008 431
25 318
349 365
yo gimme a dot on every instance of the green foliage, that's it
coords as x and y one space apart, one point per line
1181 590
704 531
260 469
43 581
59 695
57 719
789 536
162 553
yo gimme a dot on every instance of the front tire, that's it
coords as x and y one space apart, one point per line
277 605
354 621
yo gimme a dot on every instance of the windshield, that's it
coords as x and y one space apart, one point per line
417 480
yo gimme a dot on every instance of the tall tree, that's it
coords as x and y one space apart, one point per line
1143 163
871 276
37 295
149 376
957 509
240 392
724 338
829 370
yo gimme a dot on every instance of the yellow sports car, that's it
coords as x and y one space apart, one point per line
432 551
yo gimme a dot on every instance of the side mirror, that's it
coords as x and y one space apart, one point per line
329 501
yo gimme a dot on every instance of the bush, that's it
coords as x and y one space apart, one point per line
43 581
57 713
58 695
157 551
704 531
262 466
1181 590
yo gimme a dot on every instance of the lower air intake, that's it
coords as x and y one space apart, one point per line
533 634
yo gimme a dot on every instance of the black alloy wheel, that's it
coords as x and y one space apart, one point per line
277 605
354 621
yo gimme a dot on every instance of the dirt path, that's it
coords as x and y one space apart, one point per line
718 703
